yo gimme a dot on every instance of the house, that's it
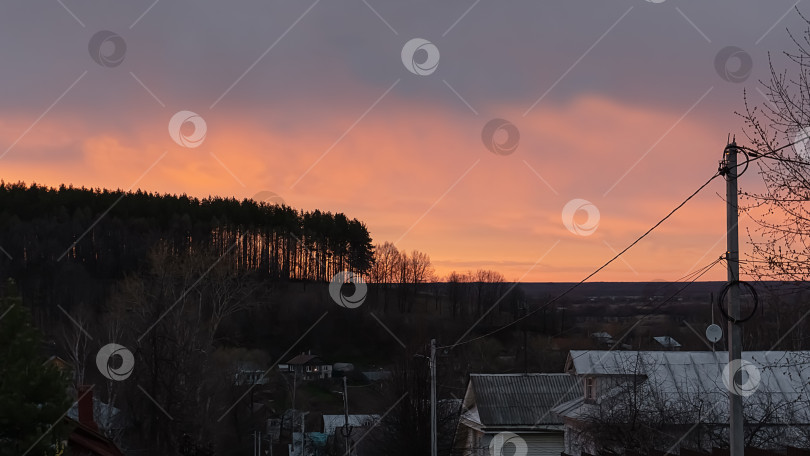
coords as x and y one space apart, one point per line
86 439
333 422
501 408
307 366
668 342
361 427
60 364
314 444
247 374
110 420
250 377
668 398
602 338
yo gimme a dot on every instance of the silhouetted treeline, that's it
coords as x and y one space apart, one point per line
67 234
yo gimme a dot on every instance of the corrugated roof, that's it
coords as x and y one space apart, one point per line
783 376
667 341
780 369
521 399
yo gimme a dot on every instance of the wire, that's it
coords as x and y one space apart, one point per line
750 155
723 298
697 275
703 272
698 272
753 154
724 169
600 268
769 286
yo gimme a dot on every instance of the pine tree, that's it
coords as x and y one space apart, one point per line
33 395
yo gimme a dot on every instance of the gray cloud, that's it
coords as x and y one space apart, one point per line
189 53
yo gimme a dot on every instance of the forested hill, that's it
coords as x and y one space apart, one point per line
108 234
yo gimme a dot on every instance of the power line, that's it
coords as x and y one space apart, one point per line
695 275
600 268
702 271
753 155
770 286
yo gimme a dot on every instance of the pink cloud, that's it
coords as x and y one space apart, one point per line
400 170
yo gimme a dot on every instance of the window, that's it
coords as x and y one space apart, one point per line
590 388
309 368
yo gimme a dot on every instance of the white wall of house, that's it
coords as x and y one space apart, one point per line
537 444
318 371
545 444
574 445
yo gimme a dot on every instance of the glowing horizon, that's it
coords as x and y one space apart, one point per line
320 106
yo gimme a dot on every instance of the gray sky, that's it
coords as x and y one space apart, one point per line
617 102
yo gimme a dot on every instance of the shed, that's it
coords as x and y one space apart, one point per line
514 408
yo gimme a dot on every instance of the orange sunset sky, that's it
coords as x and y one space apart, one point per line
620 103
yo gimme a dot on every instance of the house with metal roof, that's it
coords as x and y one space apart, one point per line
637 400
514 410
307 366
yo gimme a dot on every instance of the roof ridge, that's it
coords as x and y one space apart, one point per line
529 374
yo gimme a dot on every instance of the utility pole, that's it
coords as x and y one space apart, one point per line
433 443
303 433
346 432
525 338
736 443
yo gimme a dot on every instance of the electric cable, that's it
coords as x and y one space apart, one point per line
600 268
723 298
704 270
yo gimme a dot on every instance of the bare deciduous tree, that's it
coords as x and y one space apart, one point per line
169 316
778 130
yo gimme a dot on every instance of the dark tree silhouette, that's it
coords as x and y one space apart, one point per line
66 245
33 394
779 130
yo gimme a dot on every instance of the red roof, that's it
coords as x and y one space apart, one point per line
84 439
